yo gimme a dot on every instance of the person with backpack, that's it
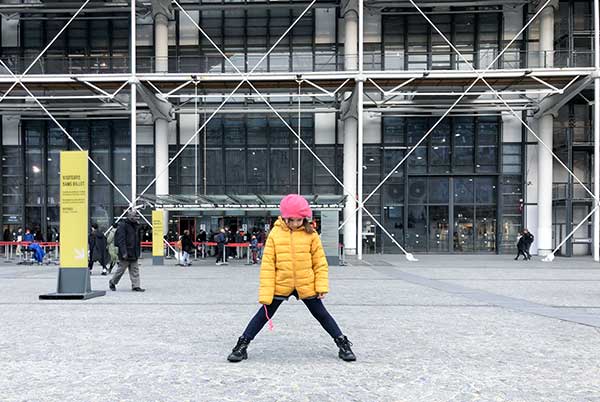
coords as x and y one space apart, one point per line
293 264
254 249
112 249
221 239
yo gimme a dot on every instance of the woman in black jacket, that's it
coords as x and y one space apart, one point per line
98 248
187 247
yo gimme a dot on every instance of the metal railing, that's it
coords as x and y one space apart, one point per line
560 191
299 62
575 135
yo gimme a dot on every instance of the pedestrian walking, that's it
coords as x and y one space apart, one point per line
294 263
220 239
98 250
261 237
187 246
201 238
528 241
254 249
127 240
521 246
18 237
112 249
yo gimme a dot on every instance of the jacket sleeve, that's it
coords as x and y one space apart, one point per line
120 241
91 246
266 289
319 265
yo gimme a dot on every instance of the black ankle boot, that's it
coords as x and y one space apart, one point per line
240 351
344 344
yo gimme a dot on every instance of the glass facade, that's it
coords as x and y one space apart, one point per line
445 197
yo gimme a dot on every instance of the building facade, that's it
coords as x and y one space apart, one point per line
470 180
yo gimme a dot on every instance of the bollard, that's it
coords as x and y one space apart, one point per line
225 261
7 253
248 256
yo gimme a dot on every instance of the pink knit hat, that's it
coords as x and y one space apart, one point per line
294 206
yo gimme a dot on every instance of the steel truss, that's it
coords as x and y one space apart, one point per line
388 85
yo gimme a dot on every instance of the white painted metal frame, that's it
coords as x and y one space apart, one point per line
18 81
549 257
480 76
133 79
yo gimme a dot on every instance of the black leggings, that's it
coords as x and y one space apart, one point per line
315 306
522 252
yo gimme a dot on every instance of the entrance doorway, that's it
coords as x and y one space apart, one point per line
186 223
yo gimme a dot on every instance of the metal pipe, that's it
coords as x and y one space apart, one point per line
133 106
596 236
359 103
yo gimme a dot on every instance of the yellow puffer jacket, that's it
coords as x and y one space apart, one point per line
292 260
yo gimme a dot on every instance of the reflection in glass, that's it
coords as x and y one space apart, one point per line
438 229
416 232
463 190
438 190
463 229
486 228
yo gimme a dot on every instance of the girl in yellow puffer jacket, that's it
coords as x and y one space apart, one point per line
293 263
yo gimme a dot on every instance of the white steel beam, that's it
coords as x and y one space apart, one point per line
596 226
133 100
479 76
543 218
39 56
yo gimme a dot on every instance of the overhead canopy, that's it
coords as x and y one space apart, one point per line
251 202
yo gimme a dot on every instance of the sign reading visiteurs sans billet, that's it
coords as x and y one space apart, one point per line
73 209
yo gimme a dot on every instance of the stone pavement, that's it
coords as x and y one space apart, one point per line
446 328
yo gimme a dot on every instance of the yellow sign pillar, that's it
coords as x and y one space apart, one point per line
73 209
157 237
73 275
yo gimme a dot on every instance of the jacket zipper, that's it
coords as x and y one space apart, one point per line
293 256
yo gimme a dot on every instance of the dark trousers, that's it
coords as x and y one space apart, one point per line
522 252
91 264
220 252
315 306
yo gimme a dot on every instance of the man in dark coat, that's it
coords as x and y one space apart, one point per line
127 240
98 248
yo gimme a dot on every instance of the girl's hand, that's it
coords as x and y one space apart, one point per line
320 296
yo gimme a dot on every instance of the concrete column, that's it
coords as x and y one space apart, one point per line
545 163
547 37
350 128
161 43
351 35
161 160
161 9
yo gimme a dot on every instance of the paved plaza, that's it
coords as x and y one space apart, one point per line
446 328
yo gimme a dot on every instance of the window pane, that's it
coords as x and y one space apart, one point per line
438 190
438 229
463 235
463 190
